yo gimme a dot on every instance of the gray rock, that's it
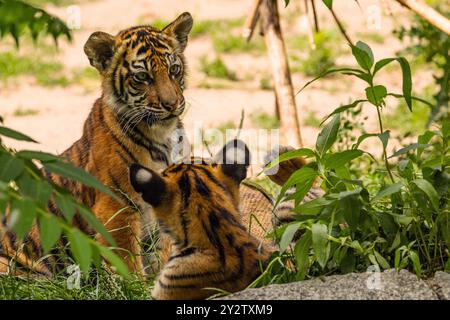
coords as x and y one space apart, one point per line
388 285
441 282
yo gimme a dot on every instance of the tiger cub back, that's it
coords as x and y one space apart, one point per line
196 205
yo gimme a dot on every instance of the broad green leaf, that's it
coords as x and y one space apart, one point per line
445 128
362 57
424 139
10 167
50 231
429 190
41 156
301 252
351 210
330 71
328 3
81 248
288 235
302 152
10 133
66 205
328 135
381 261
412 146
96 224
301 176
114 260
380 64
416 263
320 243
376 94
22 216
365 47
340 159
384 137
342 109
388 190
39 190
314 206
69 171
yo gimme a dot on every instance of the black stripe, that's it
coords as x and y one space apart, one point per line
185 188
201 187
192 275
179 286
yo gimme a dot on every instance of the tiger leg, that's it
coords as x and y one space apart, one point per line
125 227
186 275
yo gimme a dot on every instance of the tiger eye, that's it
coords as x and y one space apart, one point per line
174 69
142 77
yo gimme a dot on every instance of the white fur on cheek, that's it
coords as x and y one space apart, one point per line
143 176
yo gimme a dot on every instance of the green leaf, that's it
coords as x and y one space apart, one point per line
41 156
10 167
384 137
96 224
376 94
81 248
365 47
416 263
412 146
288 235
302 152
66 204
314 206
424 139
301 252
10 133
328 135
388 190
328 3
300 177
429 190
330 71
22 216
445 128
351 210
50 231
320 243
362 57
75 173
286 2
39 190
337 160
381 261
114 260
406 75
342 109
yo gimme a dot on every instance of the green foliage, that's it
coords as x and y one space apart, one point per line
316 60
17 16
216 69
433 45
397 215
45 73
263 120
25 191
225 42
20 112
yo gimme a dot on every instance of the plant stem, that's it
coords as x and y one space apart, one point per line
386 162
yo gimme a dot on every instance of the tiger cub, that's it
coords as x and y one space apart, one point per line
137 119
196 206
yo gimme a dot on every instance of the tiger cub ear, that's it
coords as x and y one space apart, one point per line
148 183
234 159
99 49
180 28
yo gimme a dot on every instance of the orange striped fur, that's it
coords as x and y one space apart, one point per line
196 206
135 120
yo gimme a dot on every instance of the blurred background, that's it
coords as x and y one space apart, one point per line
47 91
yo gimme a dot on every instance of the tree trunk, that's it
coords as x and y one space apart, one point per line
290 126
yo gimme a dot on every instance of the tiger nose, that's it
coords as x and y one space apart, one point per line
169 105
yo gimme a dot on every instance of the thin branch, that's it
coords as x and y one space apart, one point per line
341 27
316 19
252 19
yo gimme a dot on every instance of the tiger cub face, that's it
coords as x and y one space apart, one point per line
143 69
188 198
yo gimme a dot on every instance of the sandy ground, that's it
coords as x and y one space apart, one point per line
62 110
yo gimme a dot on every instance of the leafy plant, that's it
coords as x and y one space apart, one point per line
17 16
25 192
400 221
433 45
216 69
